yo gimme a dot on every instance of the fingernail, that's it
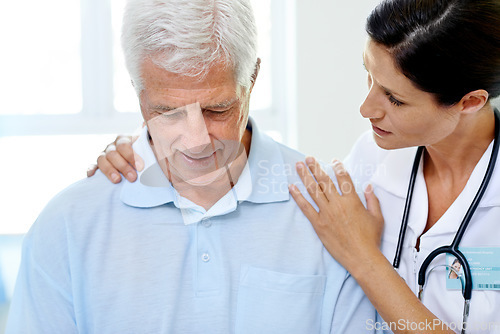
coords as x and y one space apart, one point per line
130 176
123 140
299 165
339 167
369 188
139 163
139 166
115 177
310 160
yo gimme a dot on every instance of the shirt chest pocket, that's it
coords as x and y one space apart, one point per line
273 302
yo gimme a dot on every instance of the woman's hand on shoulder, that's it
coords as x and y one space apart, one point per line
349 231
118 158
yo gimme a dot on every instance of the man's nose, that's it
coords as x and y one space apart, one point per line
196 137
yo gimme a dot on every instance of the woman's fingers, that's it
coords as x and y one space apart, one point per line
347 229
372 203
107 168
91 170
119 158
118 163
373 209
323 179
139 163
124 148
303 204
344 180
312 186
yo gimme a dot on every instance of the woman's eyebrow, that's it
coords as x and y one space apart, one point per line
389 91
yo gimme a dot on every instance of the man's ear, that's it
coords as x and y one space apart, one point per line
255 74
473 101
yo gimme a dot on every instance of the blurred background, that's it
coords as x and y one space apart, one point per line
65 94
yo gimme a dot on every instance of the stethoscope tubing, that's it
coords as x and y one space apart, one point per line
453 248
406 213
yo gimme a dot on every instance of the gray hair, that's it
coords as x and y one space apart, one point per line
188 36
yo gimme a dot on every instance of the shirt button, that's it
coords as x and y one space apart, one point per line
205 257
206 223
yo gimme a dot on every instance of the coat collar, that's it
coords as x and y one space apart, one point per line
393 175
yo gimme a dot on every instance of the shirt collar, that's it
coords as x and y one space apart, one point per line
261 181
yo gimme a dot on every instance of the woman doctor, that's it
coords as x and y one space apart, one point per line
433 67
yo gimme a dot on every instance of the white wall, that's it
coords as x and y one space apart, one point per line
331 80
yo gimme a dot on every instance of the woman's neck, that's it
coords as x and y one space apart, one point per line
448 164
455 157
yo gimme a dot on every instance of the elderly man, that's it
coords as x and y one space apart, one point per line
208 240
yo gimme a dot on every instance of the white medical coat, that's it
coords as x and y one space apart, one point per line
389 172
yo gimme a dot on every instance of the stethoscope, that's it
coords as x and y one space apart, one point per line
453 248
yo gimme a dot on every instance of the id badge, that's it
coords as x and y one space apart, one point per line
484 263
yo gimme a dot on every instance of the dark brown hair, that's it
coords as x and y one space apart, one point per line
445 47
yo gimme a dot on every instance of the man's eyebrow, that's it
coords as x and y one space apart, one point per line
221 105
218 105
163 108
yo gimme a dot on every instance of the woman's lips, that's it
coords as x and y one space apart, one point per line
379 131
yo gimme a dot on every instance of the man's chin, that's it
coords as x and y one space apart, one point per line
200 179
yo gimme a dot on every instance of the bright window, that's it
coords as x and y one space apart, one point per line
65 93
40 59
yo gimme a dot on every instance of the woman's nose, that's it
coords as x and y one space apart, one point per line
372 106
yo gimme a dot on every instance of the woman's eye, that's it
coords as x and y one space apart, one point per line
394 101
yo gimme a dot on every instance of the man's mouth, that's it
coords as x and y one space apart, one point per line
199 161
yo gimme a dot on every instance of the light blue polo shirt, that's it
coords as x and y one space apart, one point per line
138 258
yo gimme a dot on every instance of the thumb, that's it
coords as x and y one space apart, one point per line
372 203
91 170
139 163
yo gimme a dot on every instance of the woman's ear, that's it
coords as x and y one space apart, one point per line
473 101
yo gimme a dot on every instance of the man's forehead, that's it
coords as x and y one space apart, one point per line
214 92
162 87
217 77
176 98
